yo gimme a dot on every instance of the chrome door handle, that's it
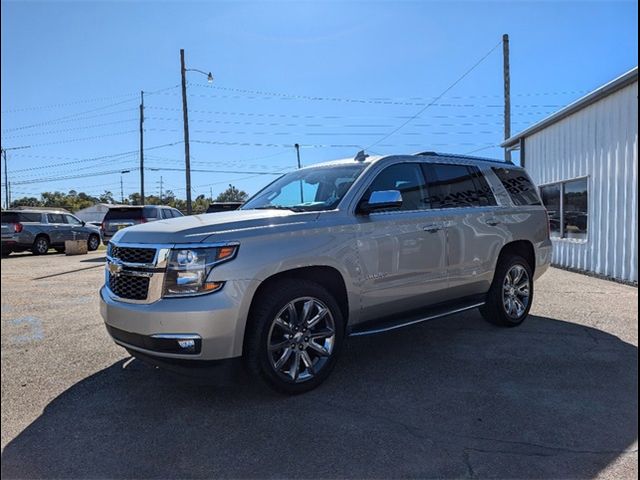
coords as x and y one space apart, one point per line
433 228
493 222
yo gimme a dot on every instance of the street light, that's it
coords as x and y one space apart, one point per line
121 186
185 116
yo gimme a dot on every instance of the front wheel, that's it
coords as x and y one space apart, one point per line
511 294
294 336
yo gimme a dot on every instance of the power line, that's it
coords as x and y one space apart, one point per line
102 157
76 119
65 130
444 92
73 115
82 139
69 177
378 99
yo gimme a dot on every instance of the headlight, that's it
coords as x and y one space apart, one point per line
188 270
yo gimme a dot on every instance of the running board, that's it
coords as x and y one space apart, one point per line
374 327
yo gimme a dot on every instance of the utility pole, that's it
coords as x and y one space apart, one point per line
299 166
185 116
7 197
211 193
141 147
160 188
507 94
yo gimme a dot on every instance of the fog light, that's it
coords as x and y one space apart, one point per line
187 344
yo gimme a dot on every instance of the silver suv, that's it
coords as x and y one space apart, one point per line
39 230
352 247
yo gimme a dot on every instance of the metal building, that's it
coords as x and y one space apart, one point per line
584 158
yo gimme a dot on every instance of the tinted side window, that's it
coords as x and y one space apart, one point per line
482 187
519 185
408 179
72 220
151 212
30 217
166 213
19 217
177 213
454 186
55 218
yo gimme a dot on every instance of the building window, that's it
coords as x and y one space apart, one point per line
575 209
551 199
567 205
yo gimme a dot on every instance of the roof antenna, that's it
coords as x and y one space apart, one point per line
361 156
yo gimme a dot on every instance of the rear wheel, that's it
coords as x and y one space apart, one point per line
6 252
93 242
511 294
294 336
40 245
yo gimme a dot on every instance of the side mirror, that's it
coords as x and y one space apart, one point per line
382 200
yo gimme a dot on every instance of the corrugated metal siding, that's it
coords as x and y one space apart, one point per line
601 143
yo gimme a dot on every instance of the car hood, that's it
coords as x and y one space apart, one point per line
208 226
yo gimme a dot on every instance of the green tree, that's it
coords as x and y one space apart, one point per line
232 194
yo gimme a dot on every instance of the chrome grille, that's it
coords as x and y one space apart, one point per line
132 255
129 286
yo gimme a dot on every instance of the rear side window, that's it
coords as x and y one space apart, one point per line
166 213
21 217
177 213
151 212
56 218
520 187
455 186
124 214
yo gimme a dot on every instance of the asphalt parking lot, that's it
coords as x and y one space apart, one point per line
455 397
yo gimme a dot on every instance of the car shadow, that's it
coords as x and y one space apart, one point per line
451 398
100 259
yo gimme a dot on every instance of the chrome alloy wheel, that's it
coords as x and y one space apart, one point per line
515 291
301 339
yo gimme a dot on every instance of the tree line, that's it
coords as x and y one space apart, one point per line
74 200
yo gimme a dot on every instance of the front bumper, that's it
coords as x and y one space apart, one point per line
216 320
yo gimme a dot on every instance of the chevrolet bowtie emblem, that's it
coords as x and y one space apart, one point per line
114 269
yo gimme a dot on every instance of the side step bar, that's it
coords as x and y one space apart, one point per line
372 328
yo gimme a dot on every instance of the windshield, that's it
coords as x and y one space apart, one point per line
310 189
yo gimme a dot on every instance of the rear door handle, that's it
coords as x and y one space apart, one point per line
432 228
493 222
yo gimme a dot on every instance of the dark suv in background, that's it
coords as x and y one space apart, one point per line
40 230
124 216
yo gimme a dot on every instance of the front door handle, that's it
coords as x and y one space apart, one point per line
432 228
493 222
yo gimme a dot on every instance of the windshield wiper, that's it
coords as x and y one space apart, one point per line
279 207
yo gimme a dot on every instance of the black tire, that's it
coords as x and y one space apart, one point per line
40 245
261 325
6 252
497 308
93 242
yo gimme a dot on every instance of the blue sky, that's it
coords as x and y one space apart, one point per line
331 76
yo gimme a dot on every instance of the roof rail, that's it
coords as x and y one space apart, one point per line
469 157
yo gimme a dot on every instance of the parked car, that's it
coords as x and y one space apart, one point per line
123 216
347 248
40 230
223 206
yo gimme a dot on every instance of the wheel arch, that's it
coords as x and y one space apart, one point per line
523 248
328 277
